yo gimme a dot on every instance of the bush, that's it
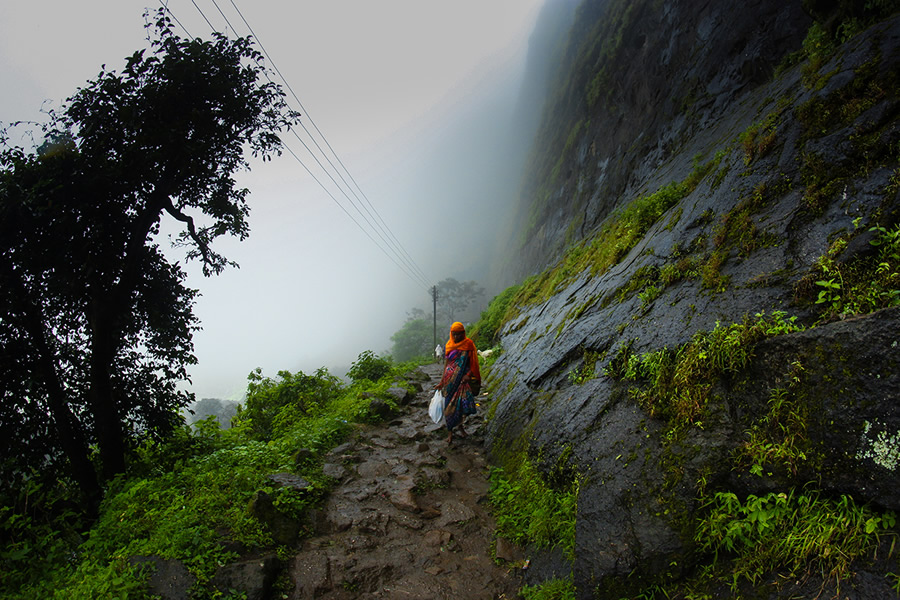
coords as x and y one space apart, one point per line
370 367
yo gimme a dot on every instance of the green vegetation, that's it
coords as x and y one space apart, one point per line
369 367
778 438
97 323
858 286
581 374
621 232
552 589
677 383
486 330
186 498
413 340
791 533
529 510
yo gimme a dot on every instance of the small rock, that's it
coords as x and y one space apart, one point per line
437 538
289 480
334 470
310 572
508 551
400 395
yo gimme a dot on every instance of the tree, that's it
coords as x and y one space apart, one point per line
95 323
454 297
413 340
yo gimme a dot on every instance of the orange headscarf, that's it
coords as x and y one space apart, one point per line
465 345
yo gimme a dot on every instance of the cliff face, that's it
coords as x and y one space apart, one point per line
691 201
638 80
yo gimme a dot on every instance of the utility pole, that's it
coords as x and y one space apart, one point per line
434 311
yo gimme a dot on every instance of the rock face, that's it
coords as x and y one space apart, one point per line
638 80
798 166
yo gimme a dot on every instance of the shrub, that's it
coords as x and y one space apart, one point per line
370 367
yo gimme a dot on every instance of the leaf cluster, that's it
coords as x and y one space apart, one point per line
798 532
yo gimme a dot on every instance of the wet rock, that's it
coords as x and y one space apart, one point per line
169 579
284 529
437 538
290 480
401 395
310 574
401 494
381 410
509 551
334 470
254 577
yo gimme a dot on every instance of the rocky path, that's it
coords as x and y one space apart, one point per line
409 517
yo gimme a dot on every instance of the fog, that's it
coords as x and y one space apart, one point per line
418 100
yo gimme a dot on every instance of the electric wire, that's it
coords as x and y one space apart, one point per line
406 257
409 267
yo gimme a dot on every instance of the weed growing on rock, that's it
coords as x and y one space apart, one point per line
677 382
528 510
796 533
778 439
552 589
621 232
859 285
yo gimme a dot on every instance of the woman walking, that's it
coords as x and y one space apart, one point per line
461 381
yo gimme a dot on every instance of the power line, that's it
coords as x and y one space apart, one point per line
391 235
369 214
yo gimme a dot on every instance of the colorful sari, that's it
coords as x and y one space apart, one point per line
458 398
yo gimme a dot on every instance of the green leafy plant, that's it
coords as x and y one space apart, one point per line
528 510
795 533
552 589
677 382
370 367
778 438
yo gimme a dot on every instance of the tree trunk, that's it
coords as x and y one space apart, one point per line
69 432
107 421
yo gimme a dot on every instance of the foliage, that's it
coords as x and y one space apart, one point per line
273 406
585 372
97 323
369 367
486 330
528 510
678 382
778 438
454 297
552 589
413 340
184 498
800 533
862 285
619 234
37 529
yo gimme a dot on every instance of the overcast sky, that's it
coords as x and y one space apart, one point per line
411 94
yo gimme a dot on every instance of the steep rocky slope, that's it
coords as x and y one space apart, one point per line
691 201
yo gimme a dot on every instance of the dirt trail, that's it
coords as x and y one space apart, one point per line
409 518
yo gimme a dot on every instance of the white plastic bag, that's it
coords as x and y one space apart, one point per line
436 408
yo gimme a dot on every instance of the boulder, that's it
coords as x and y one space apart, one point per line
283 528
169 579
252 577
